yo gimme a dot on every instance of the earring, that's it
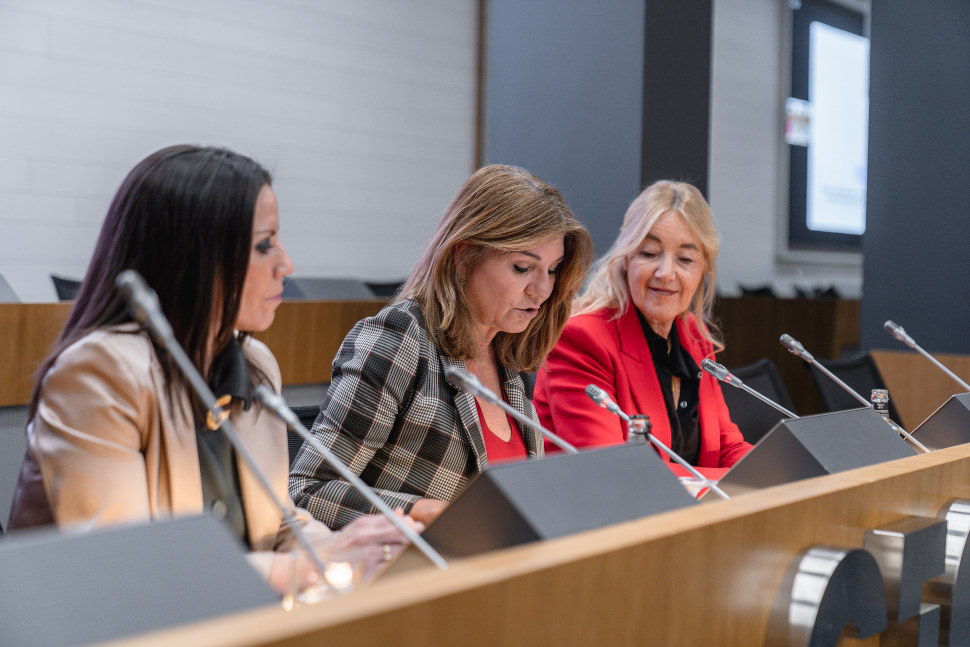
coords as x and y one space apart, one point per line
461 281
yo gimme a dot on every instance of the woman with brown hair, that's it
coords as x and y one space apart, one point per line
490 295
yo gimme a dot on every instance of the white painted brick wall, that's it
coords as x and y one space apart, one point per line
363 109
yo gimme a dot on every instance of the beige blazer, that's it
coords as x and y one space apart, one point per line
105 447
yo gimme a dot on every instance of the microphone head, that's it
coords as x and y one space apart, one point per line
795 347
457 378
715 369
144 306
267 397
791 343
596 394
141 298
897 331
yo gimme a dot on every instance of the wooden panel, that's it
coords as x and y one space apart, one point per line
29 331
916 386
305 337
752 325
706 575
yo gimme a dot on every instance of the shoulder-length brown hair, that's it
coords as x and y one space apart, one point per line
499 209
608 286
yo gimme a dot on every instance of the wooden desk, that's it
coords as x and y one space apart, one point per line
706 575
305 337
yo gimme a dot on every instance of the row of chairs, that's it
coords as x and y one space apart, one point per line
755 419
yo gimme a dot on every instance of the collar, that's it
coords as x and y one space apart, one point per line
230 376
677 360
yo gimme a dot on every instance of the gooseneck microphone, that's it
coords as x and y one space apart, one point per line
796 348
470 384
145 308
897 331
722 374
277 404
601 398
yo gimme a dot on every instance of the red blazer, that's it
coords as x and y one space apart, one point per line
614 355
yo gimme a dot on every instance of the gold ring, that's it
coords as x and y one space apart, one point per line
387 552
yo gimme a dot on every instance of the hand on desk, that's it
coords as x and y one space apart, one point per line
426 510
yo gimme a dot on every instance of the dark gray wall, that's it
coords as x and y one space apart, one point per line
917 242
563 98
599 98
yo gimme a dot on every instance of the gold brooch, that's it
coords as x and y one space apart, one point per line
218 414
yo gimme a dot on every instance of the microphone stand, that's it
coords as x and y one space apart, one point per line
471 384
600 397
897 331
795 348
145 308
721 373
278 406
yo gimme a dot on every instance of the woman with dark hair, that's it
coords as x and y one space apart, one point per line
640 330
489 294
114 432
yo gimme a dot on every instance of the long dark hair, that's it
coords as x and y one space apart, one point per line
183 218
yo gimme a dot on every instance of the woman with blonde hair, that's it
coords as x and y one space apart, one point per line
640 331
489 294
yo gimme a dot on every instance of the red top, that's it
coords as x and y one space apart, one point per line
498 450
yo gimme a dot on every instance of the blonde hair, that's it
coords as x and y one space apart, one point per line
499 209
608 286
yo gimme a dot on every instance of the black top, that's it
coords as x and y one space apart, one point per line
221 495
672 360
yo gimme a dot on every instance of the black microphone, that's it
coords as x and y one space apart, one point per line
726 376
467 382
897 331
602 398
145 308
275 403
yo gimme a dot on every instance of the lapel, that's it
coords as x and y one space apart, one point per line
467 415
644 386
178 454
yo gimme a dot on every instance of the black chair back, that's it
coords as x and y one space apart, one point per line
384 288
307 416
66 288
858 372
752 416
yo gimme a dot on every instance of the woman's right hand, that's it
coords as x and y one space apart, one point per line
426 510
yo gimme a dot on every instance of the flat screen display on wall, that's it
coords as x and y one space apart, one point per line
826 127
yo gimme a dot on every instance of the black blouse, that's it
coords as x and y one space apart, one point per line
672 360
221 494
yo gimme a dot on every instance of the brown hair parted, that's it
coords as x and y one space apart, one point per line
608 286
498 209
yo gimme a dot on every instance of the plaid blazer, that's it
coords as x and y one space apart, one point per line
394 419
